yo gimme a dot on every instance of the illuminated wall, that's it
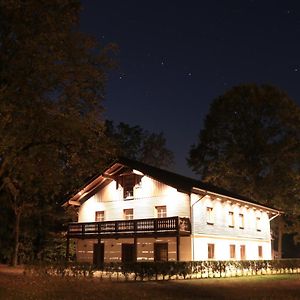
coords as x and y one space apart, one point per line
145 249
148 194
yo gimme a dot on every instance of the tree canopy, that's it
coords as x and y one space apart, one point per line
137 143
52 83
250 144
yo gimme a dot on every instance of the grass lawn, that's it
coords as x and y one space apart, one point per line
17 286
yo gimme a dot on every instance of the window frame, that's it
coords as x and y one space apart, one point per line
210 219
260 251
127 216
258 224
241 221
161 214
232 251
210 251
231 219
243 252
100 213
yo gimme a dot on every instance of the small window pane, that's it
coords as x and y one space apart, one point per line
232 251
161 211
99 216
211 251
260 252
241 221
128 214
231 219
209 215
243 252
258 224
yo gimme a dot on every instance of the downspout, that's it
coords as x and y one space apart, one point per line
278 214
193 223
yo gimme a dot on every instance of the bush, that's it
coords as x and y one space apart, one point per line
166 270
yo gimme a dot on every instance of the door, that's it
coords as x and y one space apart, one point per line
160 251
128 253
98 254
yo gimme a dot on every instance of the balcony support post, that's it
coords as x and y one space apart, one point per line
178 247
135 247
68 248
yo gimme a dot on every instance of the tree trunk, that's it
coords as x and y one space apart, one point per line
14 259
280 234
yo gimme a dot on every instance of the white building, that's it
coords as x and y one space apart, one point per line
136 212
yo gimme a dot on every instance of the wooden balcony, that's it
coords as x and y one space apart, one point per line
172 226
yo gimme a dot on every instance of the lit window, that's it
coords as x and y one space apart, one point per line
209 215
258 224
99 216
211 251
161 211
231 219
128 214
260 252
241 221
128 186
243 252
232 251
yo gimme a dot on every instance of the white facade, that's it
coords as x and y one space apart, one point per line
222 227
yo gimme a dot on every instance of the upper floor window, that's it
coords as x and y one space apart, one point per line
99 216
128 186
231 219
128 181
209 215
232 251
258 224
241 221
211 251
128 214
161 211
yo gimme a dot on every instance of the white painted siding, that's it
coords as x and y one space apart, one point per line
220 226
147 195
222 248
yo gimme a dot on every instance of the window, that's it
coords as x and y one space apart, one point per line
231 219
128 186
260 252
209 215
241 221
160 251
211 251
128 214
99 216
161 211
243 252
232 251
258 224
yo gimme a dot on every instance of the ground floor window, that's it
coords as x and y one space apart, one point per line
243 251
232 251
260 252
211 251
160 251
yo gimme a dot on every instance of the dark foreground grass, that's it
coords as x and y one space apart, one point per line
16 286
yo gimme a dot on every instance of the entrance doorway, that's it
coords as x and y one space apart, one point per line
128 253
98 254
160 251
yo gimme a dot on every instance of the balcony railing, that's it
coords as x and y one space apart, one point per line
155 226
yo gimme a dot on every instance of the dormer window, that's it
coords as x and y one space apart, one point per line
128 181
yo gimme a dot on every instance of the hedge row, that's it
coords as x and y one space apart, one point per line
168 270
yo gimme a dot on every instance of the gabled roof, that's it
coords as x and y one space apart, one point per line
181 183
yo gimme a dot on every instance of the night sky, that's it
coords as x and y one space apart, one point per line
177 56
